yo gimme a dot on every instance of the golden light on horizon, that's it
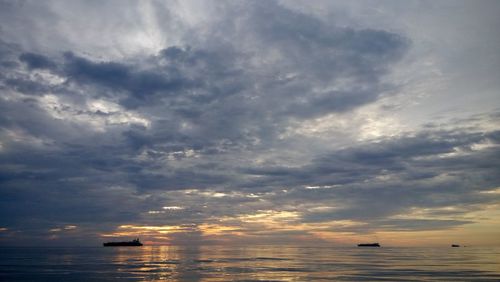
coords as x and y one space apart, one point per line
221 230
269 224
130 230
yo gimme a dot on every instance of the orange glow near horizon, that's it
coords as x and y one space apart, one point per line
271 226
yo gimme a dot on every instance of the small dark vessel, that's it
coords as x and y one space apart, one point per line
455 246
133 243
369 245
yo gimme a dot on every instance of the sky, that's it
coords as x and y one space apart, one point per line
250 122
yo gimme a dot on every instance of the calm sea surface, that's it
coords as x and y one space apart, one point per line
259 263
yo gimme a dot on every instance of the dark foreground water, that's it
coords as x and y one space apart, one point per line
256 263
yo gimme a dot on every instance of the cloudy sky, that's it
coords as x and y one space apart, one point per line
227 122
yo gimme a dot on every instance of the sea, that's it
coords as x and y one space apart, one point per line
249 263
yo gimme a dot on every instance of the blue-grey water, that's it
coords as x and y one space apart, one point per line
254 263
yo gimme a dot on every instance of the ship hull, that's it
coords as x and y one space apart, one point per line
369 245
122 244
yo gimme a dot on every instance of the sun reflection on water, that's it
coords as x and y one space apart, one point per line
287 263
249 263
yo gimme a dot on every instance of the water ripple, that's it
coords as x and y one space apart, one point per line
259 263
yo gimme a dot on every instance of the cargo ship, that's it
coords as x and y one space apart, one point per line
133 243
369 245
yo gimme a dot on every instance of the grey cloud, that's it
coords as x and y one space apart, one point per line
391 155
374 181
36 61
395 225
182 78
27 86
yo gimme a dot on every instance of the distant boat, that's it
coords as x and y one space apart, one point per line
455 246
133 243
369 245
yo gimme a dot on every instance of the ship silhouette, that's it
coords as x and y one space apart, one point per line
133 243
369 245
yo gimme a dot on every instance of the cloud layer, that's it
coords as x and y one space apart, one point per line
264 122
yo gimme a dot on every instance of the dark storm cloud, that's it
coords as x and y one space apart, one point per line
180 77
27 86
36 61
140 85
